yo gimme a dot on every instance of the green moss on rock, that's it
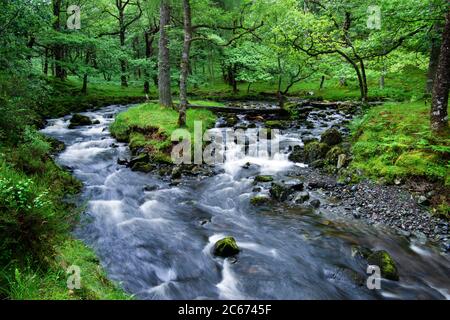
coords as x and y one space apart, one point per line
226 247
297 155
315 151
276 124
331 137
332 156
387 265
78 120
281 192
259 200
263 179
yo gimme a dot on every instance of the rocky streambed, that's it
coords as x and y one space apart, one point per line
292 230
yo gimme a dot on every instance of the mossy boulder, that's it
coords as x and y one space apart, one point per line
331 137
276 124
263 179
226 247
259 200
387 265
143 167
161 158
315 151
231 121
79 120
361 252
297 155
140 158
281 192
177 173
332 156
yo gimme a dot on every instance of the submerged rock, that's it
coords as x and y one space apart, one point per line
79 120
259 200
301 197
387 265
143 167
331 137
315 204
226 247
151 188
177 173
360 252
231 121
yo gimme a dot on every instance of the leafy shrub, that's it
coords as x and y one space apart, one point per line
32 152
29 221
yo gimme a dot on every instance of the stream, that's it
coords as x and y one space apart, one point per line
156 239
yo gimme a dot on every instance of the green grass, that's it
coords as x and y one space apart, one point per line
165 120
394 141
36 246
51 284
400 86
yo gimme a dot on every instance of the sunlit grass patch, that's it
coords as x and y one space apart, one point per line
394 140
128 124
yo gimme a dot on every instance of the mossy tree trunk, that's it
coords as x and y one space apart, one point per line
165 92
185 62
434 57
58 49
439 109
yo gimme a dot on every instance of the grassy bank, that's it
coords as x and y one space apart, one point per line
149 126
394 141
36 221
36 245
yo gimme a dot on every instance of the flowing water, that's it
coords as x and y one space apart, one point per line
158 243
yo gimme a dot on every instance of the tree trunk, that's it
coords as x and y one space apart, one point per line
85 81
46 62
165 93
322 82
382 81
439 109
434 58
58 50
361 74
85 76
147 55
364 81
184 68
123 62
